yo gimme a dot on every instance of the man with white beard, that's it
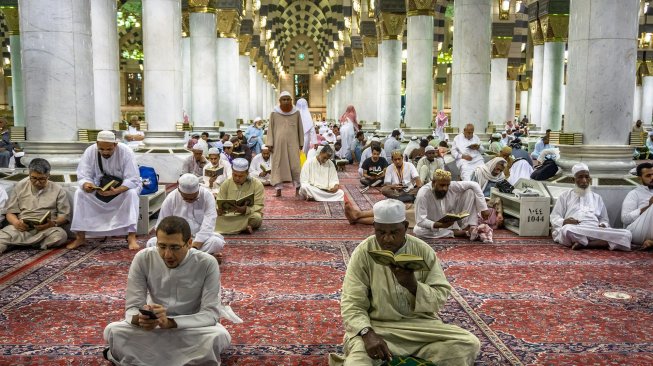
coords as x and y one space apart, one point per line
468 152
580 219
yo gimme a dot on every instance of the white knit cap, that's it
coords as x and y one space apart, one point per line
389 211
429 148
264 147
375 139
284 94
414 138
198 147
106 136
257 119
239 165
579 168
228 144
213 151
496 135
188 183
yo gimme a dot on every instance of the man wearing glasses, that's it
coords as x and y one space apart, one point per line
36 210
172 305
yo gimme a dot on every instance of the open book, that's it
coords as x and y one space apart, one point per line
450 217
238 154
33 221
106 187
228 205
375 173
406 261
265 169
213 171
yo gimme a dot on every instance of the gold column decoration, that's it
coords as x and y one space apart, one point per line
647 68
391 25
358 56
370 46
253 53
525 84
555 27
349 64
513 72
420 7
536 32
12 19
185 24
200 6
501 47
228 24
243 44
441 88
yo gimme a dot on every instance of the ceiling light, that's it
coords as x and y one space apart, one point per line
505 5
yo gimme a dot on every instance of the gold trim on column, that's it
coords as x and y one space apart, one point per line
200 6
513 72
243 44
358 56
349 64
536 32
391 26
525 83
555 27
441 88
370 46
13 20
420 7
185 24
253 52
501 47
647 68
228 24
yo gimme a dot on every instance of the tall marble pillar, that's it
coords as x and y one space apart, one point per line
337 96
260 89
253 96
536 92
601 75
553 70
637 107
227 57
440 97
349 92
57 68
392 29
646 114
163 85
471 63
523 104
186 94
17 98
204 80
358 79
243 100
499 98
419 67
106 72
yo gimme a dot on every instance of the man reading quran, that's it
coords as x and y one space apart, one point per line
244 217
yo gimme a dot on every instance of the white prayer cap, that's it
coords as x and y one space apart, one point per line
375 139
496 135
213 151
198 147
429 148
650 133
389 211
188 183
414 138
504 132
257 119
106 136
579 168
284 94
338 138
228 144
239 165
264 147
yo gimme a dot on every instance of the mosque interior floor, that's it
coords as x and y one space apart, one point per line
529 301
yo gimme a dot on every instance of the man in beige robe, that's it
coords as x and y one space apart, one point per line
390 311
33 197
285 140
242 218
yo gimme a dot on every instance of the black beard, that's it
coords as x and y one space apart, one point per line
440 194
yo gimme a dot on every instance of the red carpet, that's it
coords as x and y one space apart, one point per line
529 301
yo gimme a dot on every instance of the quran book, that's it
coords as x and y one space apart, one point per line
450 217
35 221
106 187
375 173
264 169
213 171
228 205
238 154
405 261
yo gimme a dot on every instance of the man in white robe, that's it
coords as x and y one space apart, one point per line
348 129
636 214
412 145
259 162
118 216
429 163
195 163
319 179
401 179
134 136
440 197
580 219
468 152
489 174
197 205
180 287
220 161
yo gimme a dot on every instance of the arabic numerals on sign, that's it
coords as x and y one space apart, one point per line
535 215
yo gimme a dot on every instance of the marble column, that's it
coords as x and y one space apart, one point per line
358 79
228 84
637 107
253 96
262 106
499 93
440 100
646 114
471 63
186 93
204 80
337 98
523 104
57 68
163 85
553 70
349 93
106 72
390 80
244 101
419 67
601 75
17 96
535 102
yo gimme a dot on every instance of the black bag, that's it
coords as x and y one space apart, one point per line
105 179
548 169
504 187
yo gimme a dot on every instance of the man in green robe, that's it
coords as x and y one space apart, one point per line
244 218
390 311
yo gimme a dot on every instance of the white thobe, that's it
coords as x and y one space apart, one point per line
459 148
226 174
204 145
639 224
426 168
347 138
409 173
461 197
391 144
191 295
316 177
591 212
255 168
412 145
367 153
200 214
3 203
133 132
312 154
118 216
191 166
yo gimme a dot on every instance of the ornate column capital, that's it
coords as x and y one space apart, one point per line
513 72
370 46
243 44
420 7
12 19
501 47
555 27
201 6
536 32
391 25
441 88
228 24
524 83
185 24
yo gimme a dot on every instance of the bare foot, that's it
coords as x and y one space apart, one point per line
278 194
350 213
296 191
219 257
647 244
133 244
249 229
76 243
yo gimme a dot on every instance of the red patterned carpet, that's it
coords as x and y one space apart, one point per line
529 301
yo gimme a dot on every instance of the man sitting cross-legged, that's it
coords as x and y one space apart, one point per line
636 213
401 179
319 179
374 169
172 304
197 205
440 197
580 219
244 218
34 197
259 162
216 160
391 311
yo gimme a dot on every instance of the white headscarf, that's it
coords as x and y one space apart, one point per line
483 173
310 137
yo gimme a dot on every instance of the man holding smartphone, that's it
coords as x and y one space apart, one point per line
172 305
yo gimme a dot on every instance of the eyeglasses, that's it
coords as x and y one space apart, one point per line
38 179
172 248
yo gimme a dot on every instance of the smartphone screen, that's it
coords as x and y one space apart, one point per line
149 313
